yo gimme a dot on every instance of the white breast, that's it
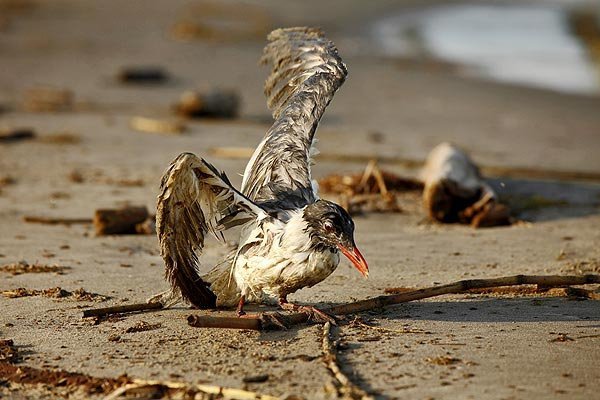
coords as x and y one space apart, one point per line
282 262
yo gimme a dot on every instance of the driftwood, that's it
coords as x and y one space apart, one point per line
152 125
372 191
100 312
347 389
56 221
15 135
216 103
264 321
456 192
119 221
47 99
142 75
170 390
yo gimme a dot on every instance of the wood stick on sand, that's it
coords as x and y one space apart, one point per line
56 221
348 389
148 389
99 312
262 320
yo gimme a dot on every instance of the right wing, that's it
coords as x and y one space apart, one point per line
195 198
306 72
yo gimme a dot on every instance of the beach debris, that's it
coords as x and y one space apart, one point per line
263 321
142 326
47 99
56 220
256 378
60 138
56 293
372 191
153 125
137 307
220 21
16 135
346 388
23 267
143 389
214 103
109 221
455 191
148 227
68 381
443 360
8 352
142 75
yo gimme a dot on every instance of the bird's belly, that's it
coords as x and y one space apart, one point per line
269 278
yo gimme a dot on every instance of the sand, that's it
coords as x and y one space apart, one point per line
502 347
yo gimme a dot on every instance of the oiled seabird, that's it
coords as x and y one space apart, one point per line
290 239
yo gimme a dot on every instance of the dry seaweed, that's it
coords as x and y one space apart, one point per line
23 267
372 191
56 293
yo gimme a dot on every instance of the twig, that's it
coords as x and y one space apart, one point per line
348 389
383 301
56 221
169 389
99 312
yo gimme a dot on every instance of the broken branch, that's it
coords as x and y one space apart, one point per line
56 221
99 312
348 389
383 301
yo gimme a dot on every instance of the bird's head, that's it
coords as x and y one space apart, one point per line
330 226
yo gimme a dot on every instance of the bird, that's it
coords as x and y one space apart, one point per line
289 238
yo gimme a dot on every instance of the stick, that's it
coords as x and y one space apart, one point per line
348 389
56 221
118 221
148 388
258 323
99 312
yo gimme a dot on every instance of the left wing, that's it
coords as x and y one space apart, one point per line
306 72
195 199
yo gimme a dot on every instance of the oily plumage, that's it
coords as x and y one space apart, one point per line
306 72
289 239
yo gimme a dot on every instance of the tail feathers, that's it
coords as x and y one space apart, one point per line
222 283
186 280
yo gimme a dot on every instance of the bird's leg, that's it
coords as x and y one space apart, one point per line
314 313
240 307
271 320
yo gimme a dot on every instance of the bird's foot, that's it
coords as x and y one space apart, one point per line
314 314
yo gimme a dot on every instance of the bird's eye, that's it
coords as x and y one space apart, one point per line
328 226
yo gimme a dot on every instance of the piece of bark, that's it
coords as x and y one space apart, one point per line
216 103
15 135
456 192
148 227
142 75
56 221
99 312
152 125
119 221
47 99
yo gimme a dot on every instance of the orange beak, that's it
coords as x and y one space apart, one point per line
357 259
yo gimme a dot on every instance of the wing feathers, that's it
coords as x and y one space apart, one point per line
195 199
306 72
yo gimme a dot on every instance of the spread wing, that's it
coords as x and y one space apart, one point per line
306 72
195 199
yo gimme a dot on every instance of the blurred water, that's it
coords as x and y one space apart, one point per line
529 45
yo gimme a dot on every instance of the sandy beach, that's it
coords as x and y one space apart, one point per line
539 148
